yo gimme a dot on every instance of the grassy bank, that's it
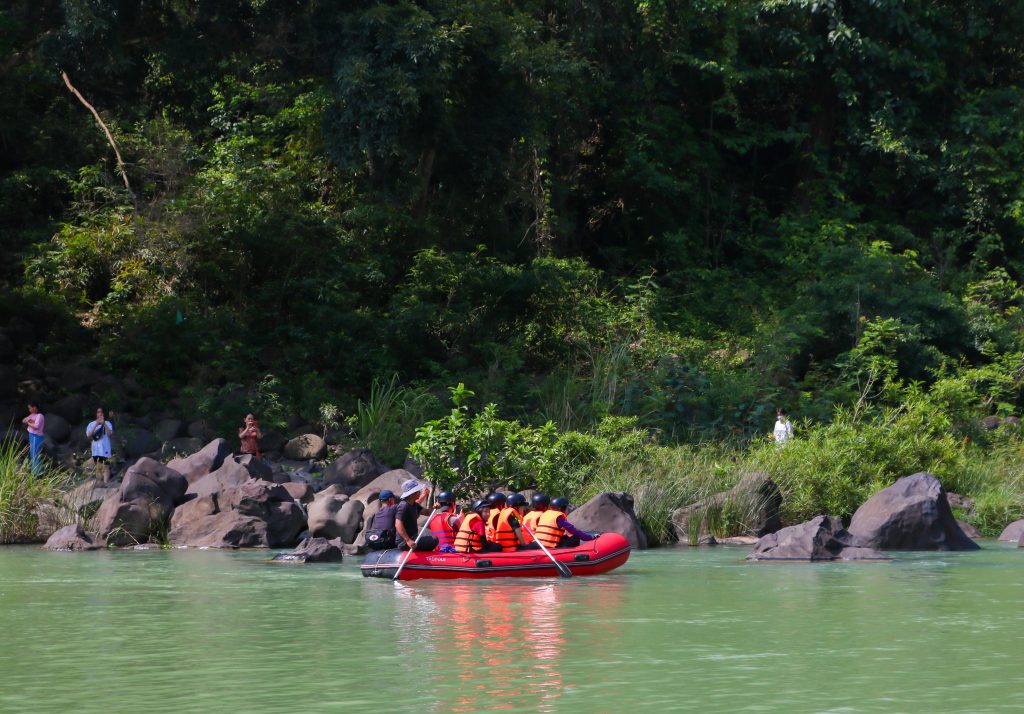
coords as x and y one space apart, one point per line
27 502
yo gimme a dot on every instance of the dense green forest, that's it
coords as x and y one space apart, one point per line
680 214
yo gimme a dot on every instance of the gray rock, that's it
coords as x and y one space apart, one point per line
136 442
74 408
193 510
56 427
391 480
227 529
314 550
413 467
969 530
912 514
130 522
962 503
230 474
306 446
181 447
273 440
355 469
169 482
206 460
1013 532
610 513
821 538
301 492
335 516
168 429
73 537
76 376
990 422
200 430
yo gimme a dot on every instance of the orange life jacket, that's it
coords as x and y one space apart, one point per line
441 529
548 532
467 540
492 523
503 533
530 522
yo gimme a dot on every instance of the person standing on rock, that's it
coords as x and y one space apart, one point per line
414 495
99 431
250 436
34 422
783 430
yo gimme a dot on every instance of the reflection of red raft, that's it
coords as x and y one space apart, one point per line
607 552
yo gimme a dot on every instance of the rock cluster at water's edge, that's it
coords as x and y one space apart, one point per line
821 538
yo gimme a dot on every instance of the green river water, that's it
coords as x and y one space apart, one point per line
673 630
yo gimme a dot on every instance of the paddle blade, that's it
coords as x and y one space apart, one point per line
563 569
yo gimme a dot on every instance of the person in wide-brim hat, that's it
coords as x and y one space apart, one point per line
414 495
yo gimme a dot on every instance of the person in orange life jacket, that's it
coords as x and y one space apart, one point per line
507 532
407 515
381 533
444 524
538 504
555 531
472 534
497 503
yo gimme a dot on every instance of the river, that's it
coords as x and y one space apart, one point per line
673 630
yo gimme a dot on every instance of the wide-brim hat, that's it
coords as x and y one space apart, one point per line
410 487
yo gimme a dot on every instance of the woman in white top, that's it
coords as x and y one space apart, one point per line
783 430
100 431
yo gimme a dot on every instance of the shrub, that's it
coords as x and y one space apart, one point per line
24 496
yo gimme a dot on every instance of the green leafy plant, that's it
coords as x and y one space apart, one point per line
27 502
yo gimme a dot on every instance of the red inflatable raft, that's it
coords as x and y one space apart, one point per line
607 552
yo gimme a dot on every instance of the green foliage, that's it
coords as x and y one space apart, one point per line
388 420
25 498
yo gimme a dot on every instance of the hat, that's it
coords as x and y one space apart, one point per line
385 495
410 487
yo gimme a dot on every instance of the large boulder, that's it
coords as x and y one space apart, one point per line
194 509
200 430
821 538
206 460
137 479
85 498
301 492
354 470
911 514
756 500
335 516
1013 532
314 550
181 447
610 512
270 503
273 440
73 408
227 529
73 537
230 474
391 480
56 427
305 447
142 505
136 441
167 429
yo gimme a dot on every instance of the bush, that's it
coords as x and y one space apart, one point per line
23 496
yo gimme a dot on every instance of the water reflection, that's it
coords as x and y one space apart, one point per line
506 644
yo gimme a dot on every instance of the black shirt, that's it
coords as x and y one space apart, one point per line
384 519
409 514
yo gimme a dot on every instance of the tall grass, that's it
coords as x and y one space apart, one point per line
29 509
662 479
387 421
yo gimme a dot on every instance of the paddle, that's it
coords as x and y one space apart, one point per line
416 540
563 569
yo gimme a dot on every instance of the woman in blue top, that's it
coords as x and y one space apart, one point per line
100 431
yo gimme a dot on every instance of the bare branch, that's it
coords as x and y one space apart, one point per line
110 137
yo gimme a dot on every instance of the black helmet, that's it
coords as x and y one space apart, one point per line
516 500
560 504
479 504
540 500
445 498
496 499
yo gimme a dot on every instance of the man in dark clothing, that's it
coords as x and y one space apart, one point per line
381 533
407 515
